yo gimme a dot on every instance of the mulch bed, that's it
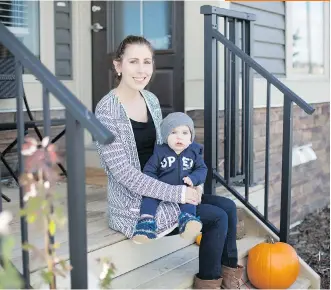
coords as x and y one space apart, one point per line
311 239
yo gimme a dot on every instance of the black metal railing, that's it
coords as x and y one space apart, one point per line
78 118
233 53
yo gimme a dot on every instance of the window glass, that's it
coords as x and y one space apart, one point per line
151 19
307 35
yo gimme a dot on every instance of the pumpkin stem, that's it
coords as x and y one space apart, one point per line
270 240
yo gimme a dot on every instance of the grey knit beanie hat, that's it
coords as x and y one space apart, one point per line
174 120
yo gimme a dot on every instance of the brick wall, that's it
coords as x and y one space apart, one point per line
310 181
6 137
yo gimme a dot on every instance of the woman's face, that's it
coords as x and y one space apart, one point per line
136 66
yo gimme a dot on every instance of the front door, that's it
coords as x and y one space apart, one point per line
162 23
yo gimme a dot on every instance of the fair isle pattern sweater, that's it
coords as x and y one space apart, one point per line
126 183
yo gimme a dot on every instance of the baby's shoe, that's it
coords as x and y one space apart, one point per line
145 230
189 225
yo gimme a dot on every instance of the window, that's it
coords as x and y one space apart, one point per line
22 18
152 19
307 23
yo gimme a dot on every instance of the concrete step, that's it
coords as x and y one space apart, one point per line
300 283
152 271
126 255
177 270
181 276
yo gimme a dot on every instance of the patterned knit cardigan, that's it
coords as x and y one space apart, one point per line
126 183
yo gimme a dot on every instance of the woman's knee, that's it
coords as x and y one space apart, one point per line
227 204
223 204
219 201
221 217
213 216
231 209
231 206
221 221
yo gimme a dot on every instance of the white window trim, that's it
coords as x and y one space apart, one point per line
46 40
30 78
290 75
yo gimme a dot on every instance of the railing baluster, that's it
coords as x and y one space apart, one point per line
76 202
243 99
210 95
46 112
20 142
215 113
1 262
267 149
286 170
0 197
227 106
234 37
216 109
47 132
250 41
250 81
248 112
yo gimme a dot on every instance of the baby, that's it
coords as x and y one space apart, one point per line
177 161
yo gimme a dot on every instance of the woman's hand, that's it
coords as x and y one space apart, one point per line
192 196
199 189
188 181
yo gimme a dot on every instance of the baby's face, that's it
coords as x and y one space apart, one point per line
179 138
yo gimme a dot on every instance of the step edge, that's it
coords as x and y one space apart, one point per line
178 266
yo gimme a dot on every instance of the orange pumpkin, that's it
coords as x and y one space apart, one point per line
198 239
272 265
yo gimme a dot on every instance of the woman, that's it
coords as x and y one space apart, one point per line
133 115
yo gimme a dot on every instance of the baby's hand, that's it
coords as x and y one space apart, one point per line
188 181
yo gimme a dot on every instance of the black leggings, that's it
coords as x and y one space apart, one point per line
218 244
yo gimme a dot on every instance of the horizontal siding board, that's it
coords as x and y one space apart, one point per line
268 35
268 50
263 18
277 65
63 40
265 34
274 7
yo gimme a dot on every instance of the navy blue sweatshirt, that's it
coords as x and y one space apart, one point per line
165 165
